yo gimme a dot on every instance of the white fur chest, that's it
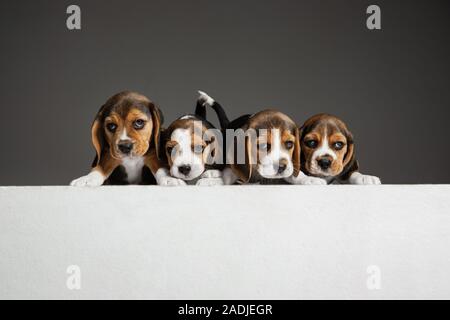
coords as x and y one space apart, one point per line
133 167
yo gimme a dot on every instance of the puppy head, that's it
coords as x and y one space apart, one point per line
185 148
126 126
274 151
327 146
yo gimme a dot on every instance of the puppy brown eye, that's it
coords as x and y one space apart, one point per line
111 127
311 144
169 150
198 149
138 124
338 145
289 144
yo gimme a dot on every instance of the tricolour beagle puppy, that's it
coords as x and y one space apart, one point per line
125 135
272 151
328 151
191 146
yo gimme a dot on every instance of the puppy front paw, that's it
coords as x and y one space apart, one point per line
303 179
308 180
170 182
93 179
212 174
363 179
209 182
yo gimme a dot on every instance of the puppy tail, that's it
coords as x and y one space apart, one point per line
203 101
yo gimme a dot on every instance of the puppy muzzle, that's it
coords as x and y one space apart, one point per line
125 146
321 166
324 163
276 170
186 171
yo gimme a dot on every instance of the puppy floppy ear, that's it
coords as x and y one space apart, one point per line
157 119
98 136
244 171
296 153
350 163
161 151
302 131
350 154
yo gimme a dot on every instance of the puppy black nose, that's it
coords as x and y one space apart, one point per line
125 147
184 169
324 163
282 167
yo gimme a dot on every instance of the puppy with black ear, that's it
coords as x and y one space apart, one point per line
125 135
191 147
272 151
328 151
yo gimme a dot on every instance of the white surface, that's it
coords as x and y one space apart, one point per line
236 242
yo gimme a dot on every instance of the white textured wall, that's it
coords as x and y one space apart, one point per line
255 242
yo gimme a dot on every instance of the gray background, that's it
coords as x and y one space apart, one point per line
302 57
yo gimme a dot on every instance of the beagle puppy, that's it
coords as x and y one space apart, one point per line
190 143
272 151
328 151
125 135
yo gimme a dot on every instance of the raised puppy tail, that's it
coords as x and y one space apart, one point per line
203 101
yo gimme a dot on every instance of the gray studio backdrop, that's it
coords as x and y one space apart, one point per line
391 86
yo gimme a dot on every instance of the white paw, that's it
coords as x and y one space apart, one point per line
208 182
204 98
312 181
170 182
211 174
303 179
364 179
93 179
